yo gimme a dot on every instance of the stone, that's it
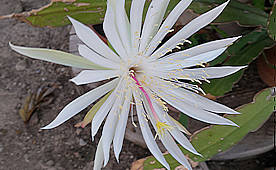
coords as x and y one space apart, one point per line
21 65
50 163
82 142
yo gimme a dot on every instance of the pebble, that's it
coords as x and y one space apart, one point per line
50 163
82 142
21 65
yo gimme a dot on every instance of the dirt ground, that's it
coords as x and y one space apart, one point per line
25 146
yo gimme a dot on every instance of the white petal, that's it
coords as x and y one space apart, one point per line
136 14
202 102
209 72
198 73
96 58
172 147
123 25
146 132
111 123
102 112
57 57
180 138
111 32
174 150
91 39
202 48
171 64
191 111
91 76
81 103
121 126
167 25
189 29
154 17
99 157
109 130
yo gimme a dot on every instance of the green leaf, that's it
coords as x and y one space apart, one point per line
217 138
235 11
55 56
272 23
92 12
85 11
242 52
259 4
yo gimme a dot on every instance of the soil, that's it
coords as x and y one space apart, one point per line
26 147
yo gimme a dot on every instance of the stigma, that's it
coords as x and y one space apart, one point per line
161 126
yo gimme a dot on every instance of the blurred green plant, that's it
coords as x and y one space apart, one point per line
243 52
92 12
272 22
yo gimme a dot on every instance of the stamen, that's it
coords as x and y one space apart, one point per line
161 127
132 119
146 95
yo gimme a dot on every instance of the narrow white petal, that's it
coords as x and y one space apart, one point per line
171 146
136 14
147 134
57 57
111 32
189 29
96 58
154 17
192 111
174 150
81 103
121 126
102 112
91 39
109 130
91 76
171 64
198 73
209 72
178 136
202 48
99 156
123 25
167 25
202 102
111 123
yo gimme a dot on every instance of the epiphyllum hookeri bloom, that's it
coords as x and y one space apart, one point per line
143 76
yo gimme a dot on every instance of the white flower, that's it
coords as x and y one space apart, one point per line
143 76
